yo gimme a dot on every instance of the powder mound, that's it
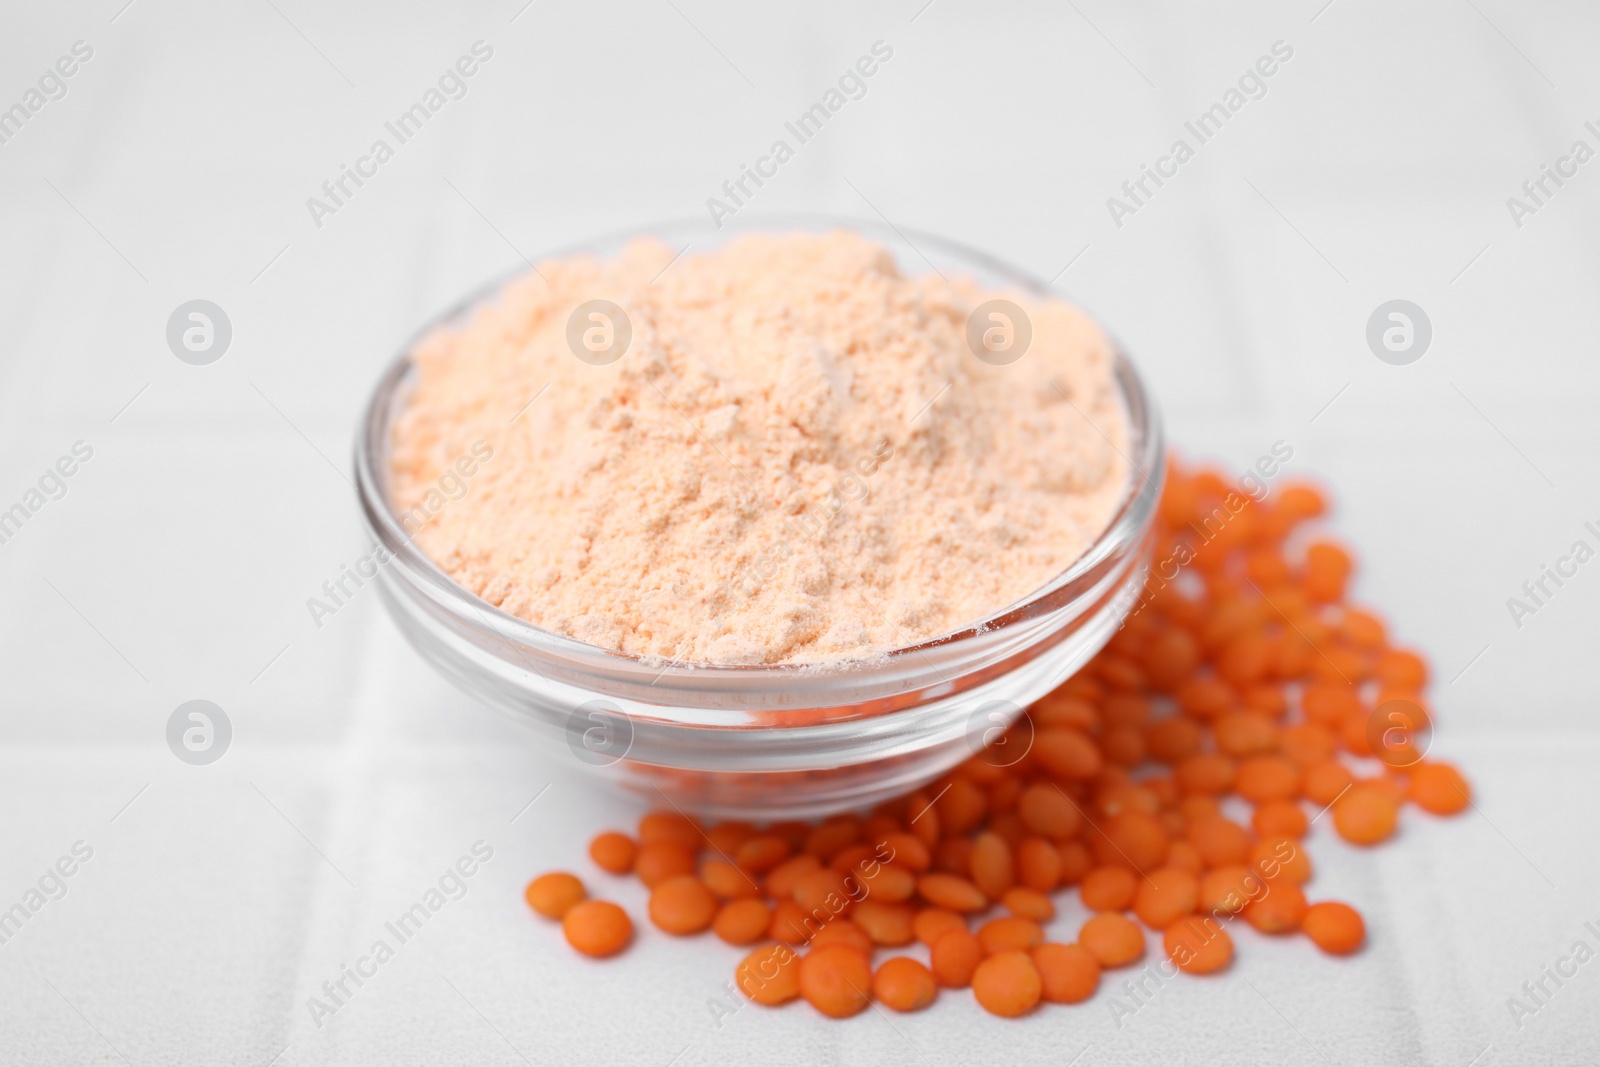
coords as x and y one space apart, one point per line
796 458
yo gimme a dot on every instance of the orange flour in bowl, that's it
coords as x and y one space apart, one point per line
779 451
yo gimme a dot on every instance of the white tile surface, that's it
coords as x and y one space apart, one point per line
178 563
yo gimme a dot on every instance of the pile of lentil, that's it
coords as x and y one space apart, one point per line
1242 675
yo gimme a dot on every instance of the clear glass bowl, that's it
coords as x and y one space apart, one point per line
783 741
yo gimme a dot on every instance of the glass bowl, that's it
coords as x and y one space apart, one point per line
784 741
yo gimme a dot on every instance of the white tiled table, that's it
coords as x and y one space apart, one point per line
218 899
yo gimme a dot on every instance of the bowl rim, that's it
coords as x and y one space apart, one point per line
1135 507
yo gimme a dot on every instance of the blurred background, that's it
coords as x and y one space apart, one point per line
1385 158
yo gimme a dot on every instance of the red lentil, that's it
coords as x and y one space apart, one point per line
553 895
904 984
835 979
597 928
1007 984
613 852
